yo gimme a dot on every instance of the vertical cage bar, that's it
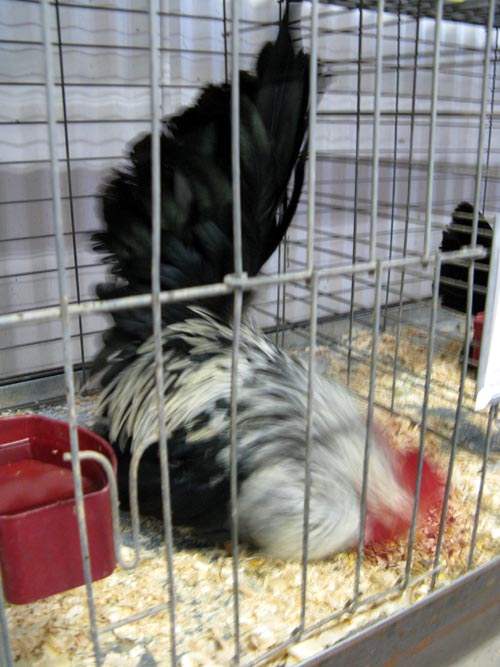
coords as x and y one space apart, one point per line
235 135
134 500
432 129
423 425
313 324
492 111
394 165
479 168
226 54
376 130
237 312
280 317
70 186
282 264
279 324
233 465
311 205
6 656
453 442
286 257
155 99
65 322
486 455
311 167
356 190
482 123
409 183
470 293
369 423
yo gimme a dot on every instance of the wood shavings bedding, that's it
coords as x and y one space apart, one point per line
54 632
400 379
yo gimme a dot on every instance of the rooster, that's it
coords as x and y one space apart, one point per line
197 248
453 278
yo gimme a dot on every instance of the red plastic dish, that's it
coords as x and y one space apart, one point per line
39 540
478 334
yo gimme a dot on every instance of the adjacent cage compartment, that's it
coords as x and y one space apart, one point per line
405 131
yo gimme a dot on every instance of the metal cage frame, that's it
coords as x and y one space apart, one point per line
392 641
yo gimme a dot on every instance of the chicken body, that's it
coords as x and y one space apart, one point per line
271 427
197 249
453 278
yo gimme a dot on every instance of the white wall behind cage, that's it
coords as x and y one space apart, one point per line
103 102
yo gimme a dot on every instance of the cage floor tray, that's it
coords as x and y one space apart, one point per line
39 541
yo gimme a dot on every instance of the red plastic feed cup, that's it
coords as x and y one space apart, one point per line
39 541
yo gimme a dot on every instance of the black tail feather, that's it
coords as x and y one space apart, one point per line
196 191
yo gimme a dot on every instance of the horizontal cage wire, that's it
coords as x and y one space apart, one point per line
378 285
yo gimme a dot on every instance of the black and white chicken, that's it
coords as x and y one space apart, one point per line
197 248
453 279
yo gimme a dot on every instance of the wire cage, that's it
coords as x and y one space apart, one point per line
404 132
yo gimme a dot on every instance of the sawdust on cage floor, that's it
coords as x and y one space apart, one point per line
401 376
55 632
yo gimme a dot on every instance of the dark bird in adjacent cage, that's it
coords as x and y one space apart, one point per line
453 279
196 249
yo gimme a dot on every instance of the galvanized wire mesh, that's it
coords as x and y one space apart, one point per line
394 145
